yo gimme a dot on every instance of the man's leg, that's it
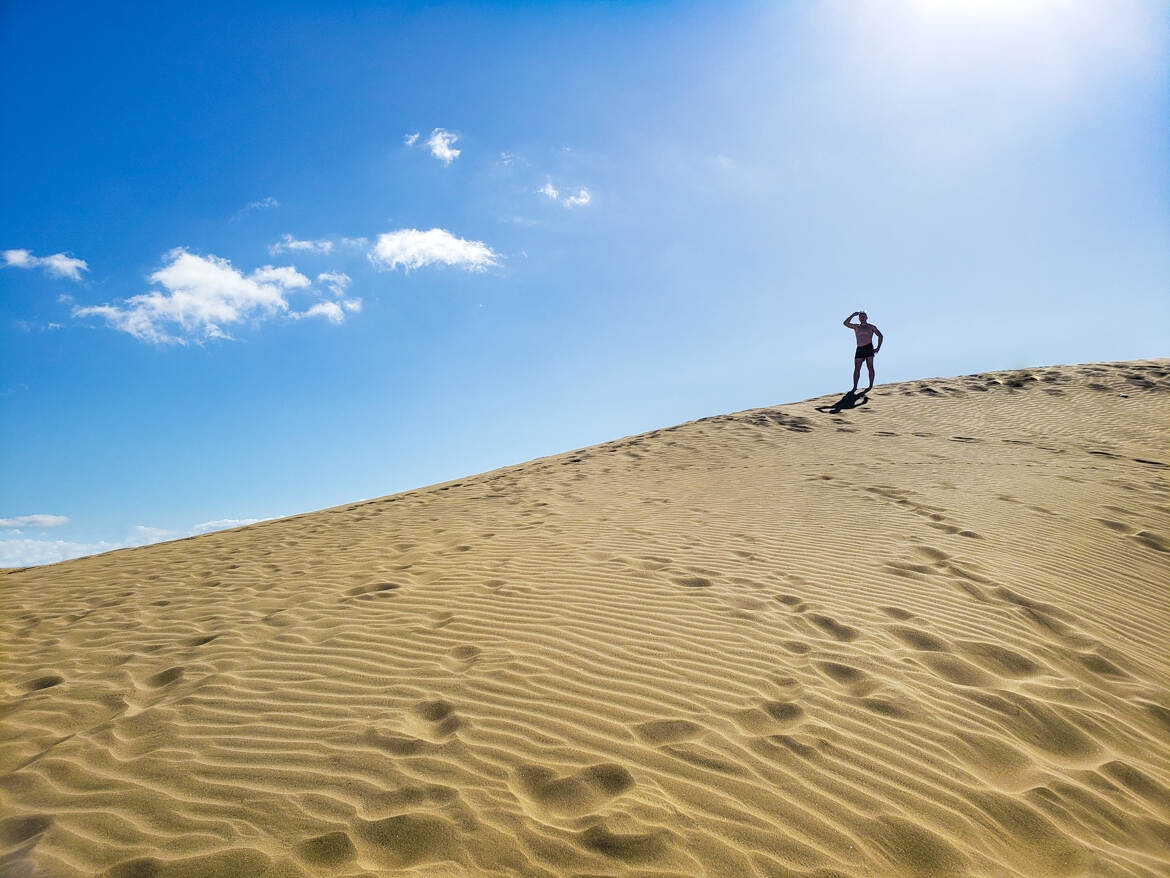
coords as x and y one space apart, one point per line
868 365
856 371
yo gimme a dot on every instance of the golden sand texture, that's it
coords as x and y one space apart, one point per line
929 636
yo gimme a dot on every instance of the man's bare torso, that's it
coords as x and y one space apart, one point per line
864 333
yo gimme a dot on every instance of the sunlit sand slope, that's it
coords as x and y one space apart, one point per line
929 636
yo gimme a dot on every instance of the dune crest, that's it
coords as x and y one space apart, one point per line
923 636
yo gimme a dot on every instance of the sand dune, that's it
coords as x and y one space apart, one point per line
927 636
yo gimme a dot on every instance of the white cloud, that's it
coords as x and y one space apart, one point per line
288 244
153 534
410 139
285 276
337 282
28 552
331 311
262 204
507 159
56 265
19 259
359 243
37 520
413 248
440 142
200 296
516 219
581 198
222 524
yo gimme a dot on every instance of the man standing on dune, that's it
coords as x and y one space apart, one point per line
865 332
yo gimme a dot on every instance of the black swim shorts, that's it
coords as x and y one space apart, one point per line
866 350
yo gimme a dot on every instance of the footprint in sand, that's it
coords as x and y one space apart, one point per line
769 717
1116 526
201 640
460 658
792 602
43 682
897 613
165 678
918 639
998 659
796 647
329 850
667 731
833 628
853 680
931 553
373 590
434 720
889 708
1151 540
629 847
406 840
956 670
573 795
394 744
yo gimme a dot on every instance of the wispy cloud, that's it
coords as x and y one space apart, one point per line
289 244
441 143
413 248
28 552
36 520
145 535
252 206
331 311
334 312
56 265
578 199
200 296
336 281
410 139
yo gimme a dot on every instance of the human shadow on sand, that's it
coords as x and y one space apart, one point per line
850 400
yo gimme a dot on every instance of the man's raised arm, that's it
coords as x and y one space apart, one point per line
850 317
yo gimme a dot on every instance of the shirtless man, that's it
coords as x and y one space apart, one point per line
865 332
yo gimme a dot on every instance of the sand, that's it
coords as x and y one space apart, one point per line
927 636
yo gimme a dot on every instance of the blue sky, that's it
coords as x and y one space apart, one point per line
233 285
